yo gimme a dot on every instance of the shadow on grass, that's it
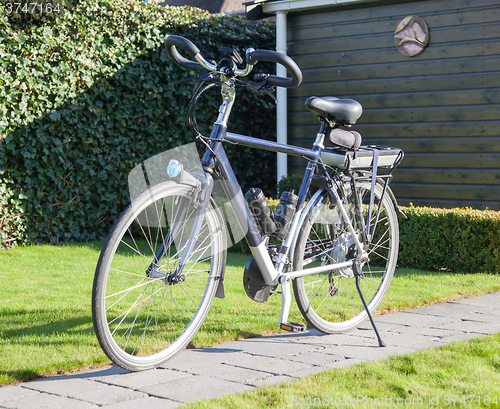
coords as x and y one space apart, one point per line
24 326
45 345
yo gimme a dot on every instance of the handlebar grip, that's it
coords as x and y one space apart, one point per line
172 41
273 56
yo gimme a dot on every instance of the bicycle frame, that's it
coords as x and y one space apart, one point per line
270 272
216 160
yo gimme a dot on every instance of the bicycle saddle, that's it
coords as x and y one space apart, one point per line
345 110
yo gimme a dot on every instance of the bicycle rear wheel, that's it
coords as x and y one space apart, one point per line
329 301
142 315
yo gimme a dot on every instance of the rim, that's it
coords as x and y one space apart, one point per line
147 318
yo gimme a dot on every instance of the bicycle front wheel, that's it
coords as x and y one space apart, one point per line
143 312
329 301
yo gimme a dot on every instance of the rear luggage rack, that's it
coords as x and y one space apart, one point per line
362 158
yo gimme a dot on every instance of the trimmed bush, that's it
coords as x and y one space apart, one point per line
457 240
88 94
464 240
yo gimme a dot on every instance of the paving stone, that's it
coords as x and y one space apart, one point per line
369 339
46 401
107 395
145 403
283 337
366 327
492 311
446 309
195 358
108 370
407 339
428 344
368 353
312 370
310 336
239 366
364 330
14 392
463 336
482 317
310 332
270 365
431 332
474 326
316 358
63 386
193 388
272 348
233 373
328 340
346 362
135 380
491 329
319 339
417 320
486 300
273 380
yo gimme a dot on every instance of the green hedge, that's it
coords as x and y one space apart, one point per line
464 240
89 93
458 240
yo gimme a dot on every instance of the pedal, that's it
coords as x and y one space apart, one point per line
293 327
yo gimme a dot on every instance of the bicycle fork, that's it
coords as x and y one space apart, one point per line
177 275
208 187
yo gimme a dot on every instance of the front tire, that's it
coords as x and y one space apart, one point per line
141 318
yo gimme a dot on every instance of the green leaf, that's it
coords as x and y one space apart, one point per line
55 116
21 39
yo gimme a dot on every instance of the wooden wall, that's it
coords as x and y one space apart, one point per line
442 107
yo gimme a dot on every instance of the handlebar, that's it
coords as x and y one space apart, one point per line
278 58
172 41
252 57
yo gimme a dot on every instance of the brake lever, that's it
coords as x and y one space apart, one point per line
270 93
261 88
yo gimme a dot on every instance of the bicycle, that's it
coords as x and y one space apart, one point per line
163 262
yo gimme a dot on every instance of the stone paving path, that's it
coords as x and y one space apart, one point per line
244 365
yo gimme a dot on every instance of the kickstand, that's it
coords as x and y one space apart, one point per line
357 274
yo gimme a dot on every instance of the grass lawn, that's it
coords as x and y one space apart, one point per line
464 374
45 312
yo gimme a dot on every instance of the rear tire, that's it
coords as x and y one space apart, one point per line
329 301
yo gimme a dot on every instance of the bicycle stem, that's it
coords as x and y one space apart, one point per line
228 92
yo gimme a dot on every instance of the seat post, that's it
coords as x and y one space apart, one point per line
320 137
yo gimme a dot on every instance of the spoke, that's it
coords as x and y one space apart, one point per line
125 313
146 282
146 316
135 251
146 236
126 273
378 244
